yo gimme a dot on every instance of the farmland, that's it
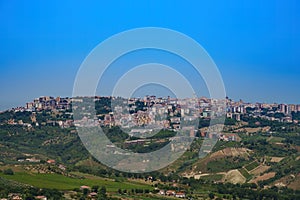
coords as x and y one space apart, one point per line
60 182
252 166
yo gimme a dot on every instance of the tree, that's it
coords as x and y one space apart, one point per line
85 191
102 193
95 188
30 197
120 191
211 195
103 190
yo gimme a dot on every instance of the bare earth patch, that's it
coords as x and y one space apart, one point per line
295 184
260 169
234 176
291 181
276 159
263 177
248 130
198 176
230 152
297 148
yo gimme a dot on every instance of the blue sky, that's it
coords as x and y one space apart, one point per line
255 44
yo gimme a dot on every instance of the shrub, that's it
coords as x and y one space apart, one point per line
8 172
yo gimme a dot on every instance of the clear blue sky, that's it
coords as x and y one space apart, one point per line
255 44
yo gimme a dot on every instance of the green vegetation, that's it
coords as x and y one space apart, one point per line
117 136
245 174
7 186
212 177
230 122
103 105
223 144
296 115
226 164
289 165
8 172
274 139
260 144
164 134
252 166
60 182
260 122
49 141
16 116
244 191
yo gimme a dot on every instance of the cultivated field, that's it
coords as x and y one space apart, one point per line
252 166
259 170
230 152
263 177
234 176
60 182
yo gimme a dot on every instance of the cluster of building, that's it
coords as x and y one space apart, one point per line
17 196
170 113
180 194
152 112
268 111
49 103
91 195
61 123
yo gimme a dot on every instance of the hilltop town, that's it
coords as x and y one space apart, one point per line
145 111
144 115
256 154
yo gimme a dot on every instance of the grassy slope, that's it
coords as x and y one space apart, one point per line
66 183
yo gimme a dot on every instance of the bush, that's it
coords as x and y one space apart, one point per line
8 172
